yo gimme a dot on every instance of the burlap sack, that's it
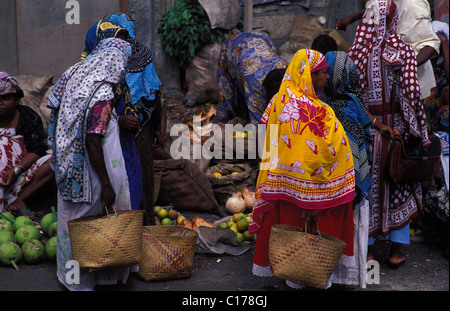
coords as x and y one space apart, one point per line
36 90
185 187
200 76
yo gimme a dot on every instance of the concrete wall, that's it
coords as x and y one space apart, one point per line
8 35
39 40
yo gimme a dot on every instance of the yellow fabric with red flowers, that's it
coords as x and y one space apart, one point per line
307 158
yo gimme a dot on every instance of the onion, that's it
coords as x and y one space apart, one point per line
249 198
235 204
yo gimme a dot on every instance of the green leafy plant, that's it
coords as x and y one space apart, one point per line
185 29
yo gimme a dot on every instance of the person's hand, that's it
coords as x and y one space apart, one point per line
108 195
442 37
311 215
129 122
387 131
8 178
342 23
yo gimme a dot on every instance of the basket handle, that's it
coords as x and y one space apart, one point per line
107 212
317 225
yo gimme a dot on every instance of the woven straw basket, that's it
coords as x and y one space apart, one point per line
110 241
167 252
302 257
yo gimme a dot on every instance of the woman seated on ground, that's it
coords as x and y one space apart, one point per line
24 165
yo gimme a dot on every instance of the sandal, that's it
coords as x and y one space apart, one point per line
23 212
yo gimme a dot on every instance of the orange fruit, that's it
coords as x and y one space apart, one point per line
242 225
173 214
162 213
166 222
239 237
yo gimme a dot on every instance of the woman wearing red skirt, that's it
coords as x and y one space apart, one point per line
306 171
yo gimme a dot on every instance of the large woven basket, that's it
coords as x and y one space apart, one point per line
167 252
110 241
302 257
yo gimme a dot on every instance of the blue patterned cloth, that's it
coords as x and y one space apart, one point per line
444 136
72 98
342 94
245 61
136 96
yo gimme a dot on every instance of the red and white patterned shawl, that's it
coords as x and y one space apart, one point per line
377 52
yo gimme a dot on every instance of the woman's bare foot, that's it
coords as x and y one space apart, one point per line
20 207
396 257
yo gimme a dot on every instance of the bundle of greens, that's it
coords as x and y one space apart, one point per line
185 29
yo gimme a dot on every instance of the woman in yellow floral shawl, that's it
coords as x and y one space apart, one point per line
307 167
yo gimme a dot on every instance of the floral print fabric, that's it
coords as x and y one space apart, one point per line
307 158
72 99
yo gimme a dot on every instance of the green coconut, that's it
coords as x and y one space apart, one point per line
10 254
33 251
6 225
7 236
26 233
46 221
50 248
53 229
22 221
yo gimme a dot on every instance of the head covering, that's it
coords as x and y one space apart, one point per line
317 61
137 93
307 158
99 31
141 56
377 43
343 95
9 85
109 27
72 98
123 20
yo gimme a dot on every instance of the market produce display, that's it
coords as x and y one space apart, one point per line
239 223
22 239
240 201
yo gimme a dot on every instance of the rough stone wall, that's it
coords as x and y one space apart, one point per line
40 42
275 19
